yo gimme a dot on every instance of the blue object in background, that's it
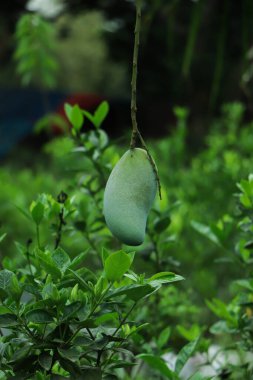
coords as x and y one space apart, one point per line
19 111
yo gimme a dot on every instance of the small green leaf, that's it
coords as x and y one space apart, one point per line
116 265
165 278
8 320
81 281
206 231
48 264
100 114
5 279
75 116
37 211
70 310
162 224
21 354
45 361
184 354
164 337
61 259
78 259
68 110
39 316
134 292
158 364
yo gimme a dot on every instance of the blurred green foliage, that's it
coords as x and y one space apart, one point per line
197 204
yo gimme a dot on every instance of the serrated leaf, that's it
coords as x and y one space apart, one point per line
116 265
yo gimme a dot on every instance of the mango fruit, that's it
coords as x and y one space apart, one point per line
129 194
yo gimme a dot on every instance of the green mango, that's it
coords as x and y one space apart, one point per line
129 194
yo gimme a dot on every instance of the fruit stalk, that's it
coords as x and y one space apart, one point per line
135 131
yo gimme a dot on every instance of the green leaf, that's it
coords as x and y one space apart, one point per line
106 317
20 354
189 333
105 254
206 231
75 116
37 211
100 114
134 292
8 320
164 337
48 264
184 354
61 259
199 376
5 279
39 316
45 360
221 327
158 364
164 278
70 353
81 281
78 259
70 310
116 265
2 237
162 224
220 309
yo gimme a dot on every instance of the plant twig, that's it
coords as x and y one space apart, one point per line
135 130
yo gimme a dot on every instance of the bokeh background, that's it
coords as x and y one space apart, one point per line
193 53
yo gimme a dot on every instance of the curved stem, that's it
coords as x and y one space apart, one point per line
135 131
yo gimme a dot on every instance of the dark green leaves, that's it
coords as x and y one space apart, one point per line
39 316
8 320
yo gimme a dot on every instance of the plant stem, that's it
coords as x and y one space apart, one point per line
38 235
134 74
135 130
59 231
